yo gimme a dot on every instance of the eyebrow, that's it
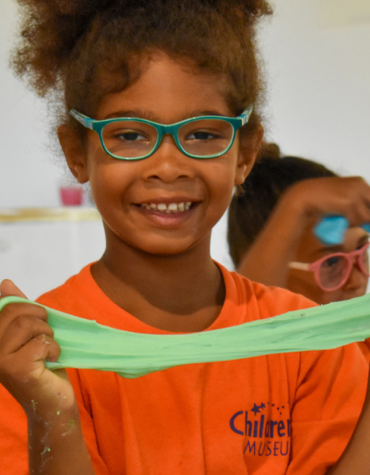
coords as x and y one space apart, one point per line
339 248
363 240
327 250
140 114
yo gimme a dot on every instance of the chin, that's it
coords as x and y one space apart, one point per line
161 250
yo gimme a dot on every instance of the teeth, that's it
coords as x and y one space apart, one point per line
168 209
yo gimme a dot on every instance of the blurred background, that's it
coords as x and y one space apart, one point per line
317 68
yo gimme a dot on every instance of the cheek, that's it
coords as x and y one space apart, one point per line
109 184
221 181
305 284
329 297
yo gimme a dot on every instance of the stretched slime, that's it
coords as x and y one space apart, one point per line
86 344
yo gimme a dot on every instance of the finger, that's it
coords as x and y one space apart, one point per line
29 362
8 288
41 348
21 331
360 214
14 310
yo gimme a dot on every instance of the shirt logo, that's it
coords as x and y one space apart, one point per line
266 429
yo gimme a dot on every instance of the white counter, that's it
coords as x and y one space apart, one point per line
41 247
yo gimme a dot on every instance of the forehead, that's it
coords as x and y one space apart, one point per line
170 90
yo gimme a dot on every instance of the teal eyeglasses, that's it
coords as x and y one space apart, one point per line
128 138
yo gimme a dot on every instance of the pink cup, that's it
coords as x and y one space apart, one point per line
71 195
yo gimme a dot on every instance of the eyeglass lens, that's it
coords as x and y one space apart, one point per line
134 139
337 267
205 137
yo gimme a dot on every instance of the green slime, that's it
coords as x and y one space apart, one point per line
87 344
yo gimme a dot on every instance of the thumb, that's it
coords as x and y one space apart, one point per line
8 288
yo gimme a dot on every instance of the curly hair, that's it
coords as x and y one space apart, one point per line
80 50
270 177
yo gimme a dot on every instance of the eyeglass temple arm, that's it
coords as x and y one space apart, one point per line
332 229
245 115
299 265
82 119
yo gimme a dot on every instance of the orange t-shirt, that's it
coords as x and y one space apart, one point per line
277 414
365 349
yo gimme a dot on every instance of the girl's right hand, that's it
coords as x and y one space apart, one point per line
26 341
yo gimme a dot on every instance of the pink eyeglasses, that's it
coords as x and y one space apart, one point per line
331 272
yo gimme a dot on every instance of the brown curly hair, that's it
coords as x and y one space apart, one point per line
79 50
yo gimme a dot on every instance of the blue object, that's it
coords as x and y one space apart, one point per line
331 230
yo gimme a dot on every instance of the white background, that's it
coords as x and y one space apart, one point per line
317 61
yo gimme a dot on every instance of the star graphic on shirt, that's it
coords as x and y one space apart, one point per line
256 409
262 406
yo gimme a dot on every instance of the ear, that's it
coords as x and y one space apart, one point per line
248 150
74 151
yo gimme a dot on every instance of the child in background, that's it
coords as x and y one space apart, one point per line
270 230
136 67
271 226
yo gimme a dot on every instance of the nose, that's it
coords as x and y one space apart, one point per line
168 163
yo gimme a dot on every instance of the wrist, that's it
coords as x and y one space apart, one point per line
296 209
39 414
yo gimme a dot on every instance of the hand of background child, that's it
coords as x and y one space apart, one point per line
347 196
299 208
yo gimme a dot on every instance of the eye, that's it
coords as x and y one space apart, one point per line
128 132
332 262
202 135
130 136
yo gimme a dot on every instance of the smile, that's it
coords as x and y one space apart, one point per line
168 209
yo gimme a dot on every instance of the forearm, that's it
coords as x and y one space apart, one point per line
268 258
57 447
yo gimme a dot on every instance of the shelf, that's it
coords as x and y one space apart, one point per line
67 213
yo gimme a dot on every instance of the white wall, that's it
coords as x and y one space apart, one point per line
317 59
29 176
318 66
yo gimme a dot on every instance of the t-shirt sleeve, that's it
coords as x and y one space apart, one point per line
329 397
13 436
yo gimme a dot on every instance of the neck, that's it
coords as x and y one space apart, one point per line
183 292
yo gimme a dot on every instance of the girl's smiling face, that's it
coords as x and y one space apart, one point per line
133 196
310 250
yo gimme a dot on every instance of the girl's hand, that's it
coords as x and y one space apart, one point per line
345 196
26 341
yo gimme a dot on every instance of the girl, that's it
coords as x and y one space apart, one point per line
170 91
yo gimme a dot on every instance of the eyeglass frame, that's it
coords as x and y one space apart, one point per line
352 257
162 129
